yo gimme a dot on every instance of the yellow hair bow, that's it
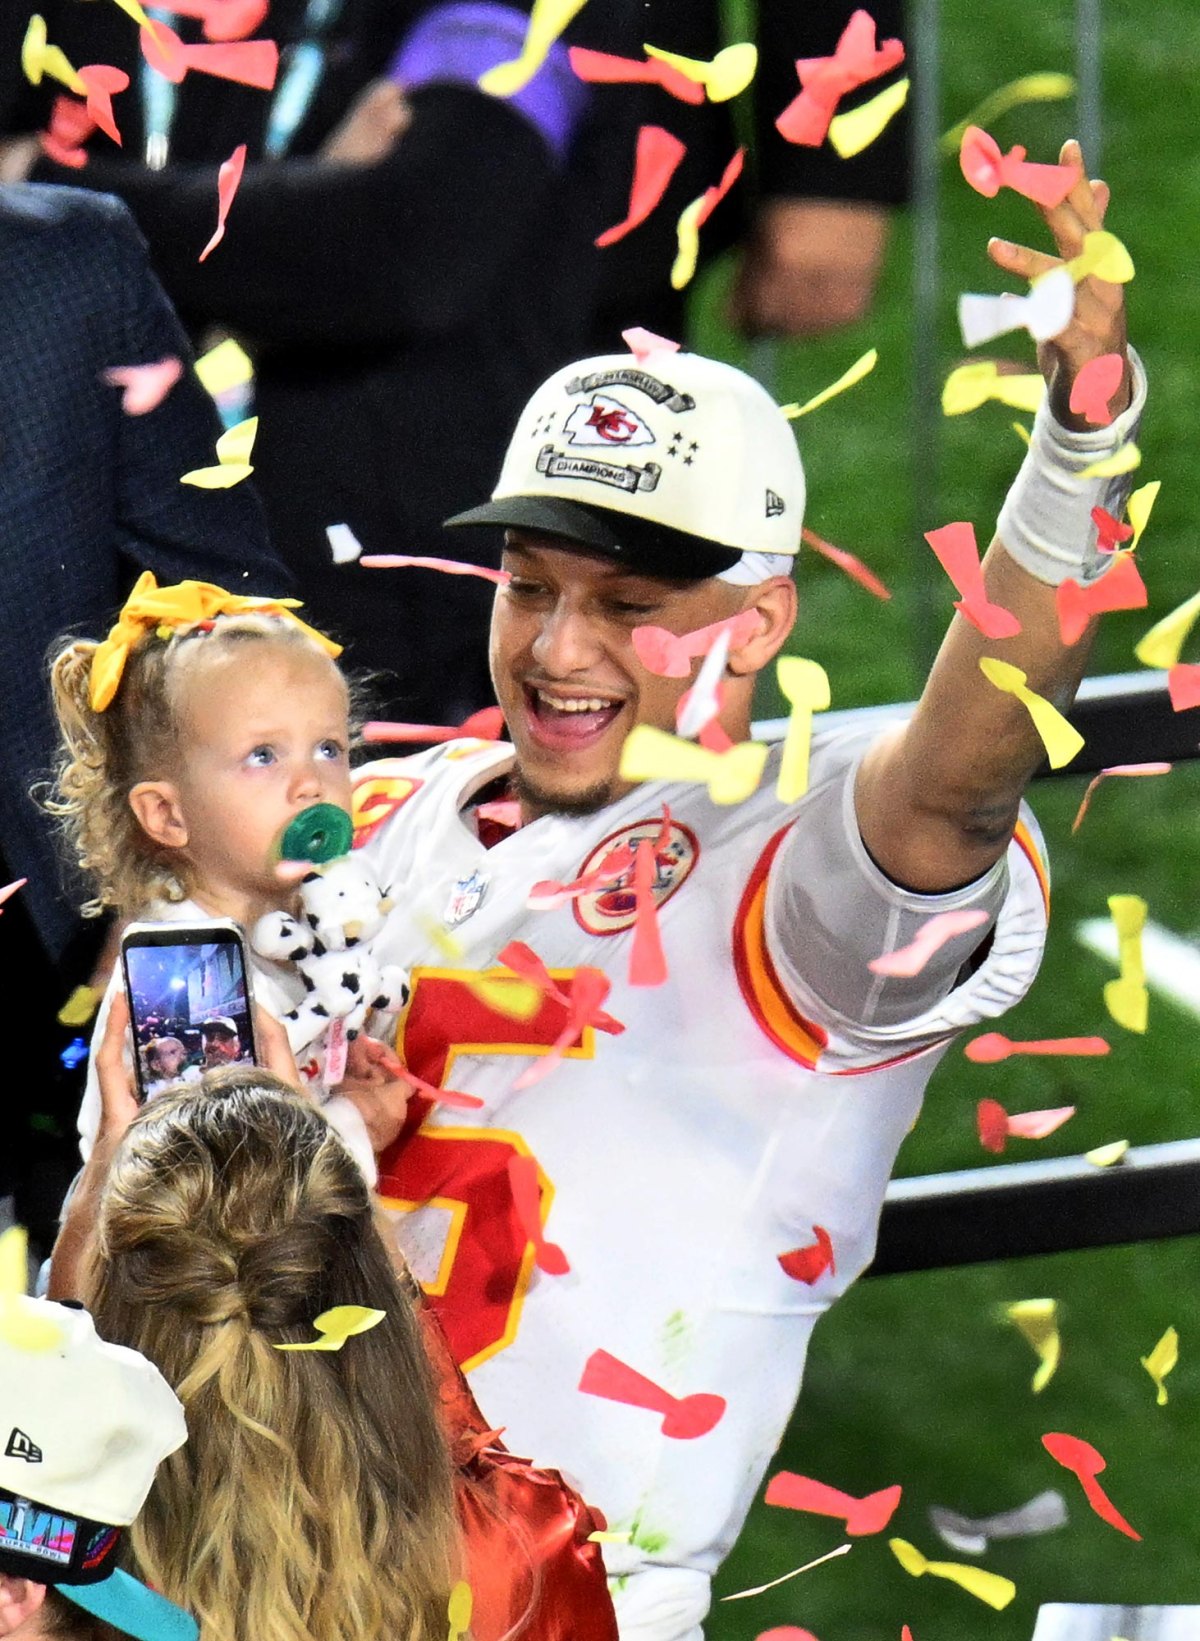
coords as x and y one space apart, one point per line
188 603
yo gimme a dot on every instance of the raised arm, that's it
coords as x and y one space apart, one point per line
937 801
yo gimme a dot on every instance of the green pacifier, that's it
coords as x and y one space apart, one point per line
318 834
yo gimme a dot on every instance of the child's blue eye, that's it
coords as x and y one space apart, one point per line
261 757
333 750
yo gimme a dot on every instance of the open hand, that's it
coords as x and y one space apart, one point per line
1098 324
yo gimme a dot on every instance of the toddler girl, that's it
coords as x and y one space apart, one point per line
192 736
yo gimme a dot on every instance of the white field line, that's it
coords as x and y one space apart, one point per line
1172 965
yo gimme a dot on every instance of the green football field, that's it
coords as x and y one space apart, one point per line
912 1379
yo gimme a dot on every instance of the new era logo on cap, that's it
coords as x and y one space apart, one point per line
775 505
21 1446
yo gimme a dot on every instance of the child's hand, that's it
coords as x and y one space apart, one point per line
373 1085
118 1094
274 1050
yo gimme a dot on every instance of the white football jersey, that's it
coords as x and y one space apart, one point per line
762 1091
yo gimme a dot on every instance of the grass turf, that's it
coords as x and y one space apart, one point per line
911 1379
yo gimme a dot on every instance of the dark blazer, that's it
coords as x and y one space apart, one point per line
90 497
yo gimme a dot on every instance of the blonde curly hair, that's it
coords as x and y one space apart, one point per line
104 755
313 1500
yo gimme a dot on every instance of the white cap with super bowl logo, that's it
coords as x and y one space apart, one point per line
673 463
83 1427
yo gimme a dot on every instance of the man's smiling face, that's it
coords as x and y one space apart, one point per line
565 670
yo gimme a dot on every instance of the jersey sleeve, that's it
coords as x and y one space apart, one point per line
819 909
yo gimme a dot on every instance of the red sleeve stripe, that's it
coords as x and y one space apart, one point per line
800 1039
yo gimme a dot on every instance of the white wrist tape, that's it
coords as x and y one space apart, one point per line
1046 521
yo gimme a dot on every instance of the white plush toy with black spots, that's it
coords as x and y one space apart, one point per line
343 908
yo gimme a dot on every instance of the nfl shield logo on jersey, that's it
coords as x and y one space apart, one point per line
465 899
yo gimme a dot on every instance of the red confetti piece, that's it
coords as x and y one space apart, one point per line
1120 588
712 197
807 1264
485 725
826 80
228 178
70 127
993 1047
602 68
589 988
1183 686
447 566
853 567
146 386
440 1096
647 960
669 654
988 170
1095 386
642 342
995 1125
713 738
958 554
684 1417
906 1634
862 1516
222 19
932 936
1083 1460
504 812
103 82
248 62
549 893
786 1632
526 1190
1115 769
656 159
10 889
527 965
1110 532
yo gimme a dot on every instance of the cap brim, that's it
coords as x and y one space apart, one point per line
132 1608
646 547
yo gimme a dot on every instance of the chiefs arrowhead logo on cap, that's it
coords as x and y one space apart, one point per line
606 421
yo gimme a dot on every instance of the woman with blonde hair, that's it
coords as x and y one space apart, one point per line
323 1495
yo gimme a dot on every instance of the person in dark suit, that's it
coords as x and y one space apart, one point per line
89 498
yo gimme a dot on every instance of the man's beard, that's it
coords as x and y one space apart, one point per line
545 802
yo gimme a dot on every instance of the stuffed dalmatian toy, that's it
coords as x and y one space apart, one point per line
342 910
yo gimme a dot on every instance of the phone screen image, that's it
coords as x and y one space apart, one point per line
189 1006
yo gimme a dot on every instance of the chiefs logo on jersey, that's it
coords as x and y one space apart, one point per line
606 421
611 909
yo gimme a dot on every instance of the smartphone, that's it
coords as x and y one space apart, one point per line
190 1006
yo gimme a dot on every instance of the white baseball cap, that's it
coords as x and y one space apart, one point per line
673 463
83 1428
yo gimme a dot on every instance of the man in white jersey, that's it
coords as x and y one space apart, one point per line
763 1089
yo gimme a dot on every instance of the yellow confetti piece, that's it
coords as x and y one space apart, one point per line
39 58
805 686
1103 257
726 76
507 994
1047 87
25 1325
1037 1322
1127 999
687 233
970 386
1163 644
850 133
459 1610
547 20
1105 1156
1022 433
1163 1359
233 457
1061 740
224 367
651 754
860 368
14 1261
338 1325
80 1007
996 1591
132 9
1139 507
1123 460
609 1538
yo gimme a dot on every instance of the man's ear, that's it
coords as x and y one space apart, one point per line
156 805
20 1598
777 605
